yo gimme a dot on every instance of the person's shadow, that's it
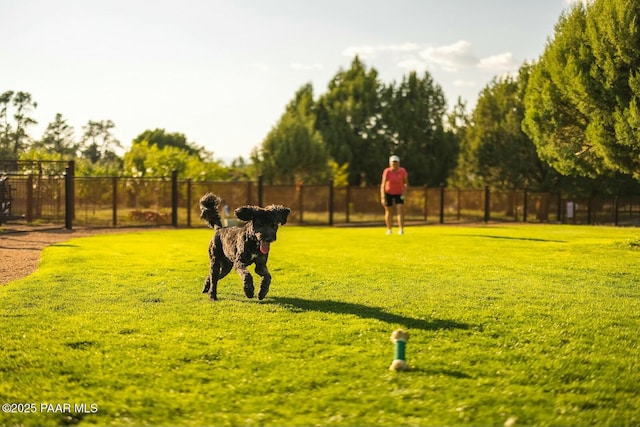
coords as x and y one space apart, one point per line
364 311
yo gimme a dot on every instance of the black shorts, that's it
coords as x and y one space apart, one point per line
390 198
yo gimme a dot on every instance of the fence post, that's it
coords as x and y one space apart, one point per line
114 201
441 203
174 198
331 202
487 203
347 202
69 199
189 202
300 189
559 213
525 204
615 211
589 211
29 215
426 205
260 190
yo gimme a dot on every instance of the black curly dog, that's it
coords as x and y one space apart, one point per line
240 246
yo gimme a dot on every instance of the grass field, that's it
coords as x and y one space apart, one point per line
523 325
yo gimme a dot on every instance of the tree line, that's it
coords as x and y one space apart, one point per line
569 121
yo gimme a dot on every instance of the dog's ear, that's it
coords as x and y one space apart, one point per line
281 213
245 213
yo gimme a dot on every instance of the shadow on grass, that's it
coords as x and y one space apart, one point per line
364 311
445 372
528 239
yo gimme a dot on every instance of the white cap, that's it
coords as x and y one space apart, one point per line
394 158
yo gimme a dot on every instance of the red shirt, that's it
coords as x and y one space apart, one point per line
394 180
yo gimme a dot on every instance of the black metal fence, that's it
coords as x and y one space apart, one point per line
61 199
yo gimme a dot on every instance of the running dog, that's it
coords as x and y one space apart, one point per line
240 246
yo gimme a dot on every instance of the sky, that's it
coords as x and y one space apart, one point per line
222 72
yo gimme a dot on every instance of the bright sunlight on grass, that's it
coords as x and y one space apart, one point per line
528 325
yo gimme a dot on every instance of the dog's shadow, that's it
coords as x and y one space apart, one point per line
364 311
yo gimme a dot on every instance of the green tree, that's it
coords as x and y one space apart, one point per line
98 147
161 138
499 153
582 101
58 139
146 160
14 138
340 173
459 123
98 143
349 119
294 151
6 130
414 119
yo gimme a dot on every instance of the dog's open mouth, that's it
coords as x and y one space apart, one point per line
264 246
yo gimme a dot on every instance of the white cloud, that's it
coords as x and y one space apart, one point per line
364 52
367 51
413 64
464 83
452 57
501 63
306 67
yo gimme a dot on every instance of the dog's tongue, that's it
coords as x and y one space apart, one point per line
264 247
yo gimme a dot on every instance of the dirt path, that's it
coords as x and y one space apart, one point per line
20 251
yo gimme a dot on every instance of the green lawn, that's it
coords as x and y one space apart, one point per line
529 325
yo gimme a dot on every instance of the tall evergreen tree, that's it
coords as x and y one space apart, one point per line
583 97
294 151
98 143
458 124
349 119
414 123
58 138
501 154
14 138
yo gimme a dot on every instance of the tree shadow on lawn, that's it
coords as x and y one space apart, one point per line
529 239
364 311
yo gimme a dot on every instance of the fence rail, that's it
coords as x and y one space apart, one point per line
69 201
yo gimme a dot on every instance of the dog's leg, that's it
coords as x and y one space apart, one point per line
211 283
225 268
247 280
213 292
265 281
207 284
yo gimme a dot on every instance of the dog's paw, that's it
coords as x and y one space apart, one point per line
248 291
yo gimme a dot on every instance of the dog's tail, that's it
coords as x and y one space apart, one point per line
209 204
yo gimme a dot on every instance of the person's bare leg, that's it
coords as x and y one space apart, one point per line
387 217
400 209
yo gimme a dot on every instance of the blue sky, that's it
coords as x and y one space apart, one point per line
221 72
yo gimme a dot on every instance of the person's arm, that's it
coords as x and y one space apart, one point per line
405 184
382 184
